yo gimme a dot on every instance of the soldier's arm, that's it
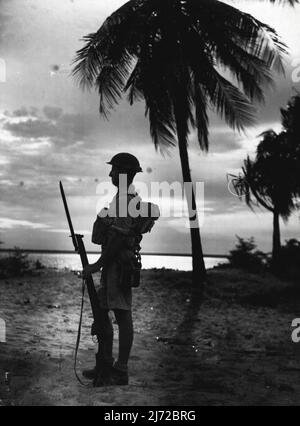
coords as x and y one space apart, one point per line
114 245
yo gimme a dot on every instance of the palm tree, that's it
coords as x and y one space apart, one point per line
172 54
271 182
291 125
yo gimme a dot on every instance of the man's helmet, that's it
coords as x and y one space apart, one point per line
125 161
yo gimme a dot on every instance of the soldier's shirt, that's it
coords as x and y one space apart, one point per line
113 295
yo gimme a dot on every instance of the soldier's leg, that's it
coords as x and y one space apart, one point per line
125 324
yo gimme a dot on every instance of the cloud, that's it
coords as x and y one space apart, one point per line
222 140
4 25
62 128
67 231
22 112
7 223
31 129
52 113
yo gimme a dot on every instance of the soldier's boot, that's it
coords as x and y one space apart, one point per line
118 377
102 372
102 367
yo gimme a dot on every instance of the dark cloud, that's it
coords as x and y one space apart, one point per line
74 127
225 141
218 196
31 129
7 25
52 113
22 112
62 128
4 18
66 129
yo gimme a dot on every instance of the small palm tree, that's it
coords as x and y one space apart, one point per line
172 54
291 125
271 182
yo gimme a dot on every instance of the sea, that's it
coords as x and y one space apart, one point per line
149 261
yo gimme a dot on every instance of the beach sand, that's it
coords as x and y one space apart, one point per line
233 348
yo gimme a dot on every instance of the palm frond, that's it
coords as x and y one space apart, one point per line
230 102
88 61
201 116
230 28
162 127
112 81
107 45
133 86
290 2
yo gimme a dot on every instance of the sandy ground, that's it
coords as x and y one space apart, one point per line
233 348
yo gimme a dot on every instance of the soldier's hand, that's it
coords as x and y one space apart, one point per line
95 330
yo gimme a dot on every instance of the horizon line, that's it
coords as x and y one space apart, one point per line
44 251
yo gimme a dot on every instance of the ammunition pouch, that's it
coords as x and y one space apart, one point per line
101 228
131 265
149 214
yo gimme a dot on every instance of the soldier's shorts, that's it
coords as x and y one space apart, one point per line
113 295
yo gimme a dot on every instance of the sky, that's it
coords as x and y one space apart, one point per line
50 130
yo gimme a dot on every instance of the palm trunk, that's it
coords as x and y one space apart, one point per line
199 270
276 241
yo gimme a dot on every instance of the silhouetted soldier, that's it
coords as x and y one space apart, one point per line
119 231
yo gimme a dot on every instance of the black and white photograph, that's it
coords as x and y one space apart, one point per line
149 205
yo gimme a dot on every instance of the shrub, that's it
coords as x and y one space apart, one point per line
16 264
38 265
290 258
246 257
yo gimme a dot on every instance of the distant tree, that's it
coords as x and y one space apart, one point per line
15 264
291 125
270 181
246 256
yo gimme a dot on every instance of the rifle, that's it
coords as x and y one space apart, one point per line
80 249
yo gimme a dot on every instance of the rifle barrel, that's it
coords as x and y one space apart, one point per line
73 236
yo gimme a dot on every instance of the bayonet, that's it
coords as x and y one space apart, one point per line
68 216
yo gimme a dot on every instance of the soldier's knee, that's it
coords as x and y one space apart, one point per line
123 318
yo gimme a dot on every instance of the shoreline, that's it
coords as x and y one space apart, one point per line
29 251
71 260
